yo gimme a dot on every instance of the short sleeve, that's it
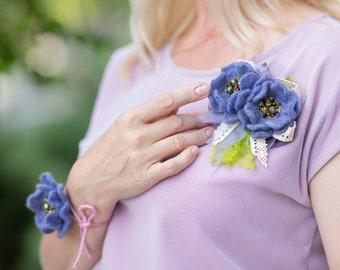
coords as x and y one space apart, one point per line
323 130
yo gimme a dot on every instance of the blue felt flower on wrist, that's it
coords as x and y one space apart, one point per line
51 206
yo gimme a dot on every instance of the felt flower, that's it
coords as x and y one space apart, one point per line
50 204
253 111
270 109
229 91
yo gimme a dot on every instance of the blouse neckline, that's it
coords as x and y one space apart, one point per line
166 53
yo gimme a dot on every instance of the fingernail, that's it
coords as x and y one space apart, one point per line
202 90
209 132
194 151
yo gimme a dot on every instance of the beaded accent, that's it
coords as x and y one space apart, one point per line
269 107
233 86
47 207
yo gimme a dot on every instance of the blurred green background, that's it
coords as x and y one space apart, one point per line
52 56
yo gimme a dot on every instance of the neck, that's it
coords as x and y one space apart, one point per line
203 46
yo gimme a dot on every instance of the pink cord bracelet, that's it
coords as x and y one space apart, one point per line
84 223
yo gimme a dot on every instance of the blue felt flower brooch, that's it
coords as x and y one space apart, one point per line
50 204
252 112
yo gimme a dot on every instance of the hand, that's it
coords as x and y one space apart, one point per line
142 147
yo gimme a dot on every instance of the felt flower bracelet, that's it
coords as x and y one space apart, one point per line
53 211
252 112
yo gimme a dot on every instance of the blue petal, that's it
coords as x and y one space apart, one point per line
54 200
291 105
230 118
284 128
252 113
238 69
35 201
260 92
231 103
218 100
230 71
65 215
63 229
53 220
219 82
44 187
39 219
261 125
241 99
243 118
47 230
278 122
248 80
61 193
262 133
41 223
47 178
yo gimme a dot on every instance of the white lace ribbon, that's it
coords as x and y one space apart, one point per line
258 147
223 131
288 135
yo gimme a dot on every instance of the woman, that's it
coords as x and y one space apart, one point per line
144 163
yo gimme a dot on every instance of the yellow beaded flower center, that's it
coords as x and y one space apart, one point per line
269 107
233 86
47 207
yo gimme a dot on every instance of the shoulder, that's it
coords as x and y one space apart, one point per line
321 83
324 34
324 25
118 59
325 53
321 33
312 59
314 49
121 55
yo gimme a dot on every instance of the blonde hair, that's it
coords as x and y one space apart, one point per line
154 23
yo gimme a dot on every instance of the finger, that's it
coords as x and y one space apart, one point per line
161 117
173 124
175 144
173 166
164 104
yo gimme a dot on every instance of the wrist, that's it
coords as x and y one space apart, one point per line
53 211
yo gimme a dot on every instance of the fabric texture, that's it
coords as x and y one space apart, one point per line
210 217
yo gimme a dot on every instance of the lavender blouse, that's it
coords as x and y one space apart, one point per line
217 218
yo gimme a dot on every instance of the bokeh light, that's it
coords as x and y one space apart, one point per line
50 56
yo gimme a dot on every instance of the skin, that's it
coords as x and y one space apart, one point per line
325 193
154 147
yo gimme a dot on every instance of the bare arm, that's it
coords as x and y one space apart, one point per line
142 147
325 196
